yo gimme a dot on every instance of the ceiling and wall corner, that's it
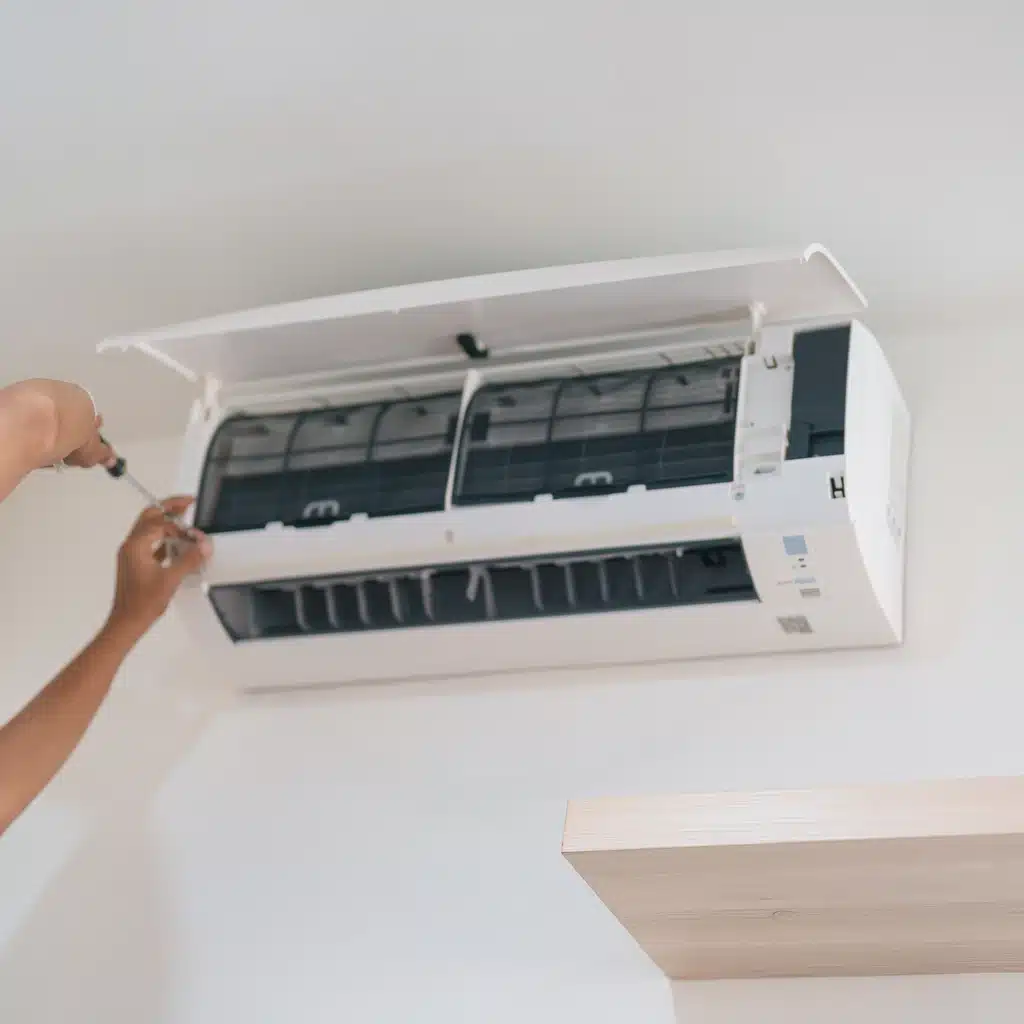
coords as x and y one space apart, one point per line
163 164
392 854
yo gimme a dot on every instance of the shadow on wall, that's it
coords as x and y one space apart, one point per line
947 999
104 917
101 914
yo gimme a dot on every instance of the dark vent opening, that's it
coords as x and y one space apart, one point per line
540 587
516 594
345 607
454 598
589 585
324 465
621 581
315 616
658 577
274 612
600 434
413 597
381 612
553 584
818 409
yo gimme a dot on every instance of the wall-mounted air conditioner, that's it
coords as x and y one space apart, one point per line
616 463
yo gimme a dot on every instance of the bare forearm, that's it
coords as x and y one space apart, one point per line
43 422
35 744
28 429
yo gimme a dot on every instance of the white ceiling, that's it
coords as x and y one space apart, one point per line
170 161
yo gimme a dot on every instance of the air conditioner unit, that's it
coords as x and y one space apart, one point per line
638 461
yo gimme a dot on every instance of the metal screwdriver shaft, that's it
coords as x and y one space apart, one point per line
119 471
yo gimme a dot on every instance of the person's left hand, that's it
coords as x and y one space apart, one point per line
152 564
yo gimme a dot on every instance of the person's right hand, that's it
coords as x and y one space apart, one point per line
94 451
77 441
70 424
147 579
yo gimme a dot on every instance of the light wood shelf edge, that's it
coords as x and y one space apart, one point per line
924 877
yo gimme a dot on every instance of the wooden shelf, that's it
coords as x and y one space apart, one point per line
922 878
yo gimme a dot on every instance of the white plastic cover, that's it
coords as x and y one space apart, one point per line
415 326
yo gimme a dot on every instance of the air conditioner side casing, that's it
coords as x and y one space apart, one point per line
824 539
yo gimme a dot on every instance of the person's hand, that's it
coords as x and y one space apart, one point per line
94 451
50 422
153 562
77 441
66 421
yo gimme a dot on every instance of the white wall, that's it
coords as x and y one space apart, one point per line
392 855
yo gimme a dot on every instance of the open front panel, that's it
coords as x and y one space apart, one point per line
386 328
668 427
542 587
301 469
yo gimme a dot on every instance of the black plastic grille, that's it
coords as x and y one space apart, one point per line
314 467
541 587
670 427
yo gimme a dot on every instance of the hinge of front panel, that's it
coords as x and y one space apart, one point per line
207 402
211 389
756 311
763 405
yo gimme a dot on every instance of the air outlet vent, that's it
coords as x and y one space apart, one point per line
440 595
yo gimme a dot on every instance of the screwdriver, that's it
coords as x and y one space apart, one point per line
119 471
